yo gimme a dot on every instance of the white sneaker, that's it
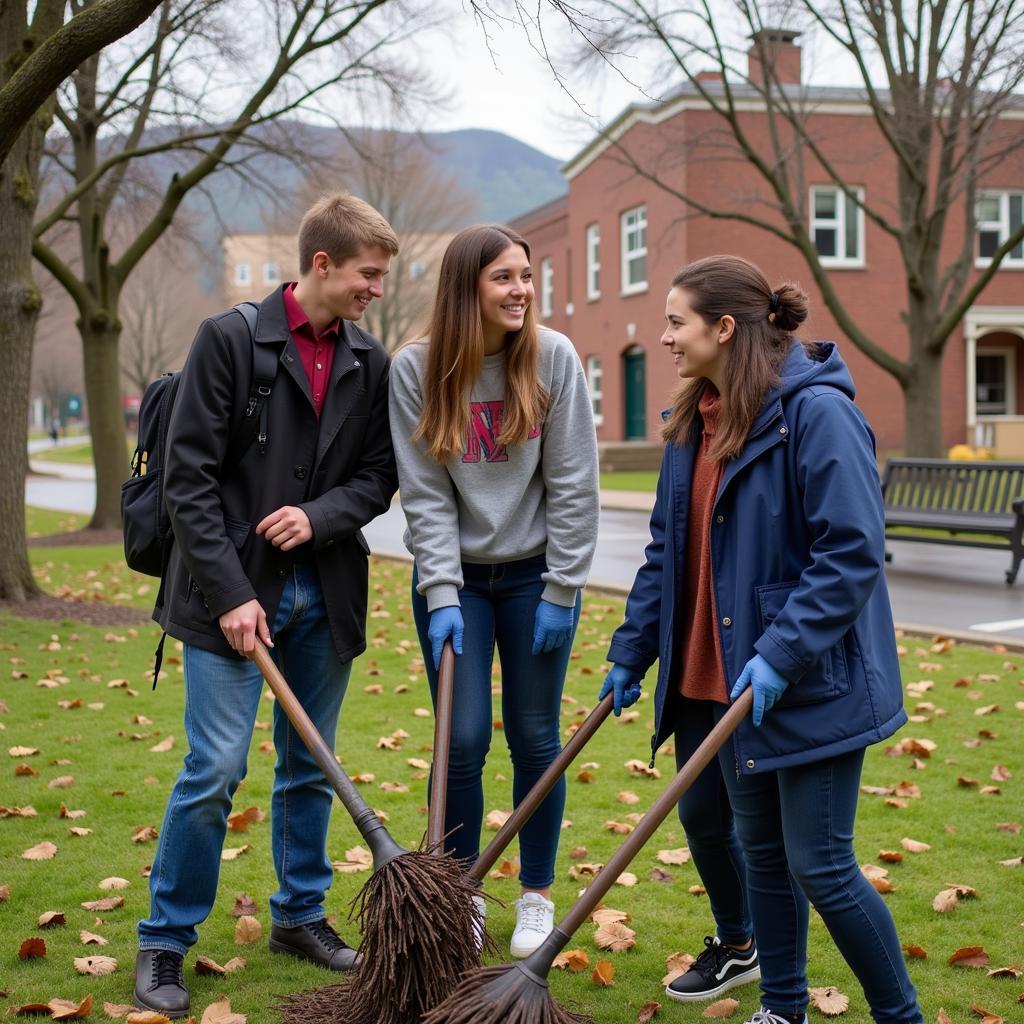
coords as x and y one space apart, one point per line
764 1016
535 918
478 924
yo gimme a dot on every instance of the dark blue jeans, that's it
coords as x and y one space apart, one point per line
222 696
499 603
707 819
796 828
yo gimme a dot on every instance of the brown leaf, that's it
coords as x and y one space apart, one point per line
721 1008
5 893
681 855
91 939
69 814
660 875
77 830
890 856
65 1009
1011 971
220 1012
32 949
114 882
117 1010
608 915
943 1017
102 906
627 878
969 956
619 828
916 952
614 936
41 851
830 1001
1000 773
23 751
945 901
495 819
575 960
167 743
604 973
144 833
987 1016
52 919
647 1011
96 965
61 782
913 846
247 931
627 796
245 906
149 1017
234 852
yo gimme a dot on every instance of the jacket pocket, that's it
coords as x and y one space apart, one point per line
828 677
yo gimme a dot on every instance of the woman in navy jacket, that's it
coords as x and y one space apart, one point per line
768 455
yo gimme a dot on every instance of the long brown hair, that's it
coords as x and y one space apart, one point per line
455 354
717 286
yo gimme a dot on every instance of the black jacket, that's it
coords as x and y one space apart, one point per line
340 470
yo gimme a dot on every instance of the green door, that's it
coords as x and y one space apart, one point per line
634 375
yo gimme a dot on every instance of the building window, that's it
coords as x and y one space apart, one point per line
999 215
837 227
547 287
634 250
995 372
270 273
594 380
243 273
594 262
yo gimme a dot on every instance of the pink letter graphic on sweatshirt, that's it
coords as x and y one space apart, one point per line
483 431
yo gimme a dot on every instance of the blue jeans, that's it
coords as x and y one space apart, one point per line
706 816
499 603
222 696
796 828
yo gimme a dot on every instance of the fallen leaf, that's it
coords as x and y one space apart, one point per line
604 973
608 915
916 952
830 1001
574 960
969 956
987 1016
95 965
721 1008
204 965
114 883
144 833
91 939
495 819
913 846
945 901
220 1012
32 949
69 814
149 1017
102 906
615 936
627 796
234 852
647 1011
681 855
61 782
66 1009
41 851
163 746
890 856
245 906
23 751
51 919
247 931
627 879
1011 971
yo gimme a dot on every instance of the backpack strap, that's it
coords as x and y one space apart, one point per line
265 360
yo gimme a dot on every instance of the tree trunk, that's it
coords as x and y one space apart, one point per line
922 407
100 347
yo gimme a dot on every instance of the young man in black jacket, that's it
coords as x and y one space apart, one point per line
270 547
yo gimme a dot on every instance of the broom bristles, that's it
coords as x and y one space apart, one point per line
504 994
419 928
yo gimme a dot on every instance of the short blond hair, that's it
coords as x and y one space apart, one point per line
341 225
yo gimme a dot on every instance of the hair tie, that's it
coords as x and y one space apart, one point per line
773 303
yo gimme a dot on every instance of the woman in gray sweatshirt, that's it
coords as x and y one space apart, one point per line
497 462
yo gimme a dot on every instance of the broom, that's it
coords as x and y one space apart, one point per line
518 993
416 911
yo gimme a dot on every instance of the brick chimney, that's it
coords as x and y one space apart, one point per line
774 48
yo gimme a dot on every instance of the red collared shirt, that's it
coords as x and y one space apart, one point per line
315 351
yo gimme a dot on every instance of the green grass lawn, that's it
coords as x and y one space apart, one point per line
100 723
78 454
630 481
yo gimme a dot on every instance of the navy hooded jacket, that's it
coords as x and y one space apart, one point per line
797 551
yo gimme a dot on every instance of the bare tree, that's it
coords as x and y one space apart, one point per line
938 79
157 92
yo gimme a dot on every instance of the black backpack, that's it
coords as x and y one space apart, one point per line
146 524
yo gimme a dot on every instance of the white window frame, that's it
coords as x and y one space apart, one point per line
595 384
839 225
1002 226
547 287
271 272
639 252
1009 357
243 273
593 262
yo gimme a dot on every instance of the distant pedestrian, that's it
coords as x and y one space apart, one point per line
55 431
765 570
497 464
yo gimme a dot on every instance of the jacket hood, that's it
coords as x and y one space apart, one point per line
819 364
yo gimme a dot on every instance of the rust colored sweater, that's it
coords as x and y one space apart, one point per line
703 671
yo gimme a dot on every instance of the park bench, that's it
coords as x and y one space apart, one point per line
980 504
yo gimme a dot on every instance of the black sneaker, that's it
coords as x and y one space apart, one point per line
160 983
718 969
316 942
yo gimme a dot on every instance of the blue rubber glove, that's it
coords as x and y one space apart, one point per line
768 685
444 623
552 626
624 684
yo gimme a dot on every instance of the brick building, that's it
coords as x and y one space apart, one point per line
604 256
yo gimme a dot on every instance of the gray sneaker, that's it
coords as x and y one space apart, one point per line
160 983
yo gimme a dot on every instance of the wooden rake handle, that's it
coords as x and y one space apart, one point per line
442 744
659 811
529 804
360 811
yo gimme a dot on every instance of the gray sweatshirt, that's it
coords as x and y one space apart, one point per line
496 504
